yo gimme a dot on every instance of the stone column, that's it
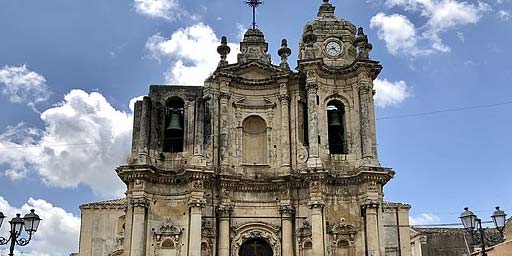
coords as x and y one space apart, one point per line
199 133
189 125
196 205
138 233
287 212
365 94
285 128
224 129
145 126
224 212
313 160
371 214
317 227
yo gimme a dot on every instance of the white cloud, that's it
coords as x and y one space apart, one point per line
504 15
390 93
441 16
22 85
58 232
166 9
424 219
397 31
84 139
192 51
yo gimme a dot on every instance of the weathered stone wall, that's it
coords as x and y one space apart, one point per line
101 231
444 241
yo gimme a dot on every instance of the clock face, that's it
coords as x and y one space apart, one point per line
333 49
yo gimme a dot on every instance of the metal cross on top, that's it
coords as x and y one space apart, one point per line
254 4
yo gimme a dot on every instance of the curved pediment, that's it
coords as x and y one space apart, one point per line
253 72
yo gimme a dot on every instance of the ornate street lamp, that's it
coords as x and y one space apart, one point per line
30 221
473 226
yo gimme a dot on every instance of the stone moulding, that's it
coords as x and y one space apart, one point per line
376 175
252 230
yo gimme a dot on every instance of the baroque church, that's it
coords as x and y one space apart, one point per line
260 160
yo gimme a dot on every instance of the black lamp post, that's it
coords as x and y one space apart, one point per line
30 221
473 226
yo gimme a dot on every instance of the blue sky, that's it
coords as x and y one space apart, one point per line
69 69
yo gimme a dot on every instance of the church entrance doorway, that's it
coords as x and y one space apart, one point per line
255 247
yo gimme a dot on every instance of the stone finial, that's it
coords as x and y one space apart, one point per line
363 47
223 51
326 9
284 52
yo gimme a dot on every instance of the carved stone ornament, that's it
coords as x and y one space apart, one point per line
168 229
139 202
304 232
286 210
167 238
253 230
342 230
197 202
370 204
316 204
207 236
197 185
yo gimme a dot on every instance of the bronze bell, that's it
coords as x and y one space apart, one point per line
334 119
174 122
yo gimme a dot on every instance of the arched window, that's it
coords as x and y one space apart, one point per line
336 127
308 248
254 142
173 131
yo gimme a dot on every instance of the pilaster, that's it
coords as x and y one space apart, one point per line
284 99
312 94
139 206
373 236
196 204
287 212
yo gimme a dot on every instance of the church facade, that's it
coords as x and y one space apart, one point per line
261 160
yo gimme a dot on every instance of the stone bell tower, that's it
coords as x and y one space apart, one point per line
261 160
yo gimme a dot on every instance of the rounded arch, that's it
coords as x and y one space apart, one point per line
256 230
339 96
175 102
173 125
336 125
254 142
168 244
255 246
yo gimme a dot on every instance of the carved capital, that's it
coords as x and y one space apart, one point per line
141 202
225 209
370 204
316 204
196 203
286 210
284 98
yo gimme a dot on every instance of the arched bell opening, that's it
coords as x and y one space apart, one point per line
336 127
173 131
255 247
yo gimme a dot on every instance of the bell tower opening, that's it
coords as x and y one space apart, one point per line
173 132
255 247
336 127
